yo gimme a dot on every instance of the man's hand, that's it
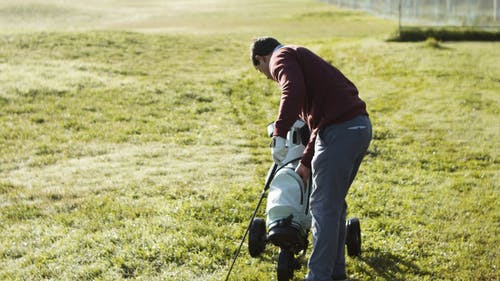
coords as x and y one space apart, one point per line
279 149
304 172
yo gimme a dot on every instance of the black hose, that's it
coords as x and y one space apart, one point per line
263 193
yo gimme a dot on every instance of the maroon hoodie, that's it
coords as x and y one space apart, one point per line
314 90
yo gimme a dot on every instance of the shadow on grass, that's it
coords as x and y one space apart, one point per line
377 263
418 33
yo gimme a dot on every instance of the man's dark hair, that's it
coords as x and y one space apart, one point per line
263 46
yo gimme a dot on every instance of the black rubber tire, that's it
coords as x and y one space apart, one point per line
353 237
257 237
286 265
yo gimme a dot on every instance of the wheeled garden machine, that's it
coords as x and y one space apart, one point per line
288 220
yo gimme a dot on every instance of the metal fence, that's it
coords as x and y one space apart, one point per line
470 13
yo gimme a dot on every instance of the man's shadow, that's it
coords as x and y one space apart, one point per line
377 263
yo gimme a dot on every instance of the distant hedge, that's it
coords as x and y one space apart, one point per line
411 34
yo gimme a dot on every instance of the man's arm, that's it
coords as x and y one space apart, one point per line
309 151
287 72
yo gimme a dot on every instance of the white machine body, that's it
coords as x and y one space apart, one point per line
288 196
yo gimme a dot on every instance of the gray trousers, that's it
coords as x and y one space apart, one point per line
339 150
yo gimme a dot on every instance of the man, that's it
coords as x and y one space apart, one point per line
318 93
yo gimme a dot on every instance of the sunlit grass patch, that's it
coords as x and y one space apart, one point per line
140 156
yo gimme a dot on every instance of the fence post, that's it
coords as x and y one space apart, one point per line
399 14
495 10
416 12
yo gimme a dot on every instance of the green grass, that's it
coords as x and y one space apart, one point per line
136 148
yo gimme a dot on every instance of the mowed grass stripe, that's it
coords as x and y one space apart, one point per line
141 156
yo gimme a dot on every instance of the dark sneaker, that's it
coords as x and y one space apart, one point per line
334 278
340 277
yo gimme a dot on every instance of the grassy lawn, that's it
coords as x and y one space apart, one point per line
133 146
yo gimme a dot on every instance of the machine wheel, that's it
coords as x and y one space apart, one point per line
257 237
353 237
286 265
